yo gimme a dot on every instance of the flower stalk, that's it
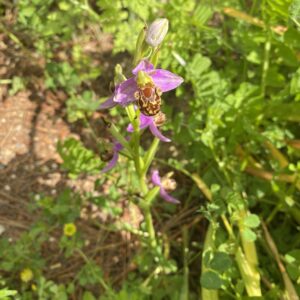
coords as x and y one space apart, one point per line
133 116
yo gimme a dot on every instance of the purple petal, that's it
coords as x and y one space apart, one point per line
143 65
167 196
145 121
124 93
118 146
109 103
157 133
165 80
111 163
155 178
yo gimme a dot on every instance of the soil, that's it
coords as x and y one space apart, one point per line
32 122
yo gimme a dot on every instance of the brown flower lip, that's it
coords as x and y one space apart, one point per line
148 99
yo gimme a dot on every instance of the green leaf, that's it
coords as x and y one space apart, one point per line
211 280
18 84
249 235
274 78
220 262
198 66
88 296
251 221
90 274
6 293
284 111
293 263
78 159
287 55
295 83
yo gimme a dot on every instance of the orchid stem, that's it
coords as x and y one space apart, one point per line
147 209
139 164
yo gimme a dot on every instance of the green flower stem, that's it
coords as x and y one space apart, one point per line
133 116
149 226
149 198
139 164
146 208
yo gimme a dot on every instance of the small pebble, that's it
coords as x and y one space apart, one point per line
7 187
2 229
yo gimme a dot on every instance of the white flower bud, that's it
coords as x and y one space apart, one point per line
157 32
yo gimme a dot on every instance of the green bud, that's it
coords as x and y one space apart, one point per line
119 77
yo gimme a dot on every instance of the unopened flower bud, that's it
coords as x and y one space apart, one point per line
119 77
157 32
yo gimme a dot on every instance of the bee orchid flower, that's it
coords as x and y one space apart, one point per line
144 87
164 184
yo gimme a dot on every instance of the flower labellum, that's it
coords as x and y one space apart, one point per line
156 180
157 32
148 95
